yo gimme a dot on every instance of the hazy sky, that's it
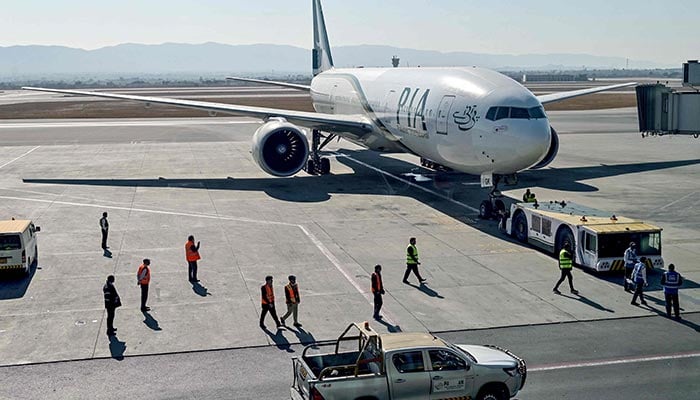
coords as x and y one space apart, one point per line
661 31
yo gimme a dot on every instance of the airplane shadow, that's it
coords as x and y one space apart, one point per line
463 190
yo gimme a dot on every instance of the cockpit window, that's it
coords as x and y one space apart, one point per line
503 112
496 113
491 114
519 113
537 112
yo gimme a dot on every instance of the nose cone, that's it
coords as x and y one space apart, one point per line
533 138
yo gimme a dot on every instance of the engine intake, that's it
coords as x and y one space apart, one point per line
280 148
551 153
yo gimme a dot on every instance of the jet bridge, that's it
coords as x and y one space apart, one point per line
666 111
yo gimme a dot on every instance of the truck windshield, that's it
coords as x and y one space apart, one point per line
10 242
614 245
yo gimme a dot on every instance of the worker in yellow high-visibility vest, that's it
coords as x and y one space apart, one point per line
565 265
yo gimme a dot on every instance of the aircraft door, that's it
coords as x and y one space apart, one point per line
443 113
388 111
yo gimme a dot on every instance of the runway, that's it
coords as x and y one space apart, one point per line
162 179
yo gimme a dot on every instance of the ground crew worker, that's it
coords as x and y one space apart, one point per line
104 226
268 302
630 259
529 197
112 301
291 294
192 255
144 279
565 265
377 290
639 276
671 281
412 261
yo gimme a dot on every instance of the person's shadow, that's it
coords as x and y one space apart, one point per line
116 348
389 327
304 337
150 321
585 300
662 312
280 341
427 290
200 290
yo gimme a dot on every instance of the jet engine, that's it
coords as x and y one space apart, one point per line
280 148
551 153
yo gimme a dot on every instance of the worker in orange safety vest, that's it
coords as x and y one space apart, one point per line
291 295
192 255
267 295
143 277
377 290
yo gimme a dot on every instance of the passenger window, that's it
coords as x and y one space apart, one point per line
491 114
411 361
519 113
443 360
503 113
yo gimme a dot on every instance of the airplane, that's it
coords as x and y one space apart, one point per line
468 119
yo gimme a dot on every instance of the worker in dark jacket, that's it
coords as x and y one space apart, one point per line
104 227
267 300
112 301
671 281
377 290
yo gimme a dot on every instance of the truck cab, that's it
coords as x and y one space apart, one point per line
406 366
18 245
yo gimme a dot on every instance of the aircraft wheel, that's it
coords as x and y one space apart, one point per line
311 167
325 166
500 205
485 210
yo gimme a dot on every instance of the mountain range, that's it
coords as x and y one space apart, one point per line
34 60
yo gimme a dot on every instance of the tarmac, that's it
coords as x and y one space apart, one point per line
162 180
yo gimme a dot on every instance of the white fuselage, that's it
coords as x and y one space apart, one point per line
446 115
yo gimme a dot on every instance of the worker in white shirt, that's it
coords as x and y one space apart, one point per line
639 276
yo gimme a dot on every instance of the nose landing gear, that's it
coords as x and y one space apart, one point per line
495 207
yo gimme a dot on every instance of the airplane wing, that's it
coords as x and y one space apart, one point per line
343 125
554 97
275 83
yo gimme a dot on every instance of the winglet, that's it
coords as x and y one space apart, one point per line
322 59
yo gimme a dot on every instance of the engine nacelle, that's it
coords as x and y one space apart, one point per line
280 148
551 153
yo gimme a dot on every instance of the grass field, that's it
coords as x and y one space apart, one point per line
125 109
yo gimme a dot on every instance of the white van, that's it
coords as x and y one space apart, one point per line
18 246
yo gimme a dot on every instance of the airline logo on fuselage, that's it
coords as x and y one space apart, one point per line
410 111
466 119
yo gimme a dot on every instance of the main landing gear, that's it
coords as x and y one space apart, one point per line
317 165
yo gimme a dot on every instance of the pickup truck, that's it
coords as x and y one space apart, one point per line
366 365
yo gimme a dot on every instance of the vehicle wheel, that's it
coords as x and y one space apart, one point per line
311 167
325 166
519 228
485 210
492 393
564 235
500 205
